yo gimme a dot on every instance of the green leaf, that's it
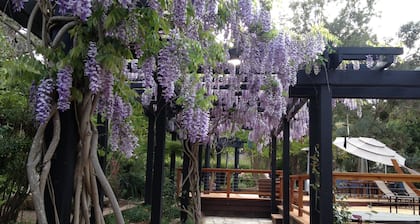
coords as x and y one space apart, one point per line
115 16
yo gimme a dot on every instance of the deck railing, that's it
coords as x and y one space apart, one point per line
257 182
236 181
360 184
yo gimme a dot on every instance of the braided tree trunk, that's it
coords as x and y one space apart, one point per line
88 172
194 179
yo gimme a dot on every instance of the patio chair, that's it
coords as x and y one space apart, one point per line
393 199
412 194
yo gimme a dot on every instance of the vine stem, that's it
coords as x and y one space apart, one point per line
34 157
30 23
102 178
63 31
193 178
46 161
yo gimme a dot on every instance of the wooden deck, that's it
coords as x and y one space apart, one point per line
236 207
252 206
229 197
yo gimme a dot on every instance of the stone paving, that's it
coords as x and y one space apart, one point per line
230 220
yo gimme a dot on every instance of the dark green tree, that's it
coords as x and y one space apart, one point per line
16 132
409 35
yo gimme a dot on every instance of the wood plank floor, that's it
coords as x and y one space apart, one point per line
355 205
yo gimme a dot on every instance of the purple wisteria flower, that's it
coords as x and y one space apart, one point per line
119 33
180 12
199 7
210 16
245 10
92 69
105 3
196 123
44 100
122 136
106 98
138 52
265 19
155 5
64 84
18 5
168 71
148 68
80 8
127 4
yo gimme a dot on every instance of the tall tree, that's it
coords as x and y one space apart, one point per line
350 24
409 35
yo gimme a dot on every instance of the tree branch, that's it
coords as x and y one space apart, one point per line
30 23
102 178
63 31
34 157
46 161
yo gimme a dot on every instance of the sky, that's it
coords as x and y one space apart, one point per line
394 13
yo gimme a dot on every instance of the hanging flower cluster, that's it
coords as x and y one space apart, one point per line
79 8
18 5
122 137
255 98
64 84
196 124
44 100
92 68
168 71
252 96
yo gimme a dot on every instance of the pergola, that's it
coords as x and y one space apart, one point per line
320 89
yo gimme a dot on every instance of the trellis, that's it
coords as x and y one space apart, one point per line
376 82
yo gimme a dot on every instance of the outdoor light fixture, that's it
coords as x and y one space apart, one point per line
234 57
235 62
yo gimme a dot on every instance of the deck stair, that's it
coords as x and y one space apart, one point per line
277 218
236 207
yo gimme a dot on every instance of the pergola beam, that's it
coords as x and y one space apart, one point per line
359 53
362 78
331 83
362 92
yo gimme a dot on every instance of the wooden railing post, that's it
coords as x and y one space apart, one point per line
291 193
300 196
228 176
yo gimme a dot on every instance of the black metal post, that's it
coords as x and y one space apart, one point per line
200 163
325 155
62 170
273 173
218 165
149 157
207 165
173 161
158 163
236 175
286 171
313 136
185 194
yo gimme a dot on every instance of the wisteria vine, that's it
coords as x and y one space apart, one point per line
169 45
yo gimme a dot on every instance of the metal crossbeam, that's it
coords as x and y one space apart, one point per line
341 54
360 78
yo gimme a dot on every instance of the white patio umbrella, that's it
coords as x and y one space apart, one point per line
370 149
